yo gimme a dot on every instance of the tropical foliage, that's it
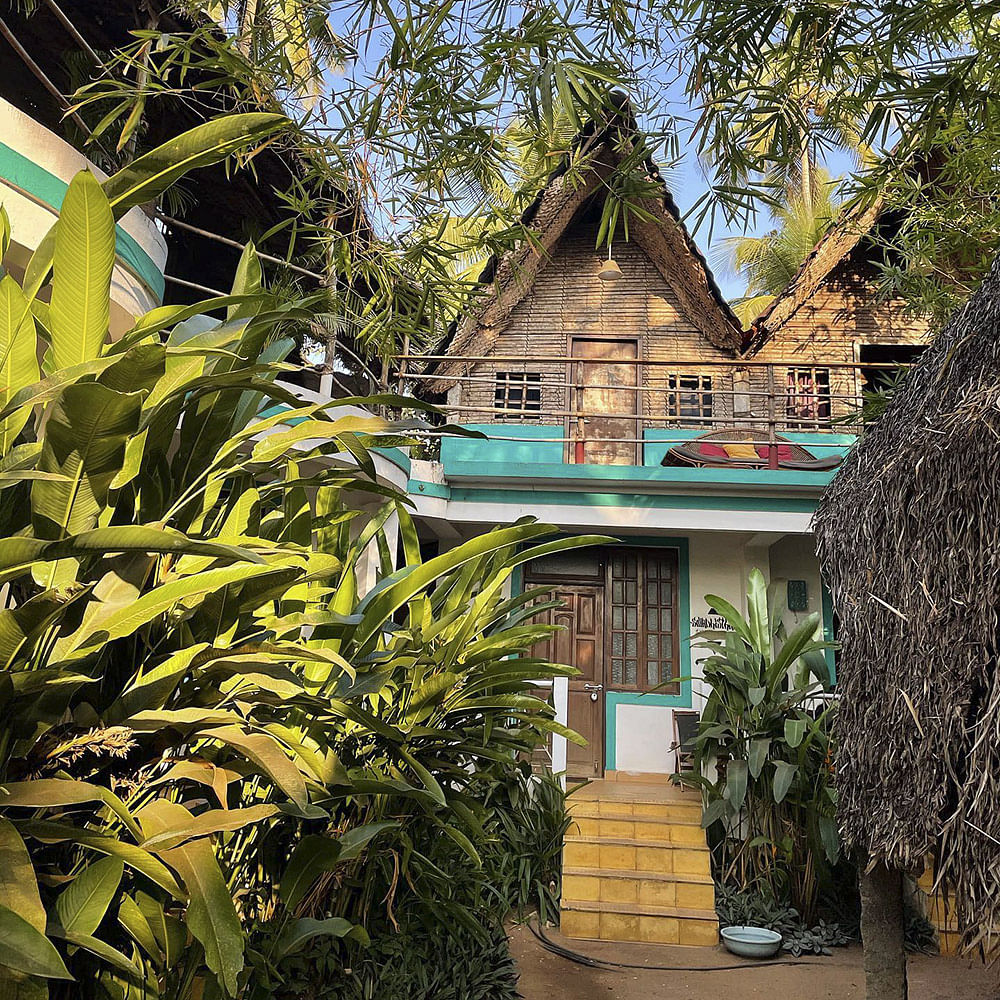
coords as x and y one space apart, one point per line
205 721
766 737
767 263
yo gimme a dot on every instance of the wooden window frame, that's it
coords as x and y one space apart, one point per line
703 390
673 687
822 395
506 381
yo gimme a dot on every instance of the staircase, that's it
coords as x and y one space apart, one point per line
636 866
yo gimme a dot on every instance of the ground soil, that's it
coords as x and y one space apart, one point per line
545 976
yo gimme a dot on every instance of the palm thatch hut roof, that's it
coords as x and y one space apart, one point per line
603 146
909 537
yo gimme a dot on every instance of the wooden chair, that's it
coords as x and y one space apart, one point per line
685 731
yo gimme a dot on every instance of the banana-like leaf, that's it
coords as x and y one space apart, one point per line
135 857
134 921
43 793
784 775
81 906
97 947
85 438
306 928
211 915
82 263
18 885
206 823
148 176
25 949
267 753
18 356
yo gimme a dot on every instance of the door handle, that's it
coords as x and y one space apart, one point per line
593 687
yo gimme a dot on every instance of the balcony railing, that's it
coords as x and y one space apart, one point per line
605 411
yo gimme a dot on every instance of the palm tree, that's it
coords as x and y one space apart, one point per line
768 262
299 31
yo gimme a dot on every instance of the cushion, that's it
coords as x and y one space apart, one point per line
741 451
709 450
784 452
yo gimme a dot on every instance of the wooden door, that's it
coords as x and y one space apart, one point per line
603 387
580 643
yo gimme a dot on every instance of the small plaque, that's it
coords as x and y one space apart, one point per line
798 595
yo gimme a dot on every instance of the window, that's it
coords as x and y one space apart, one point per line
517 392
690 396
807 400
643 628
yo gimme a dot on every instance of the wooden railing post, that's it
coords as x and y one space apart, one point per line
772 441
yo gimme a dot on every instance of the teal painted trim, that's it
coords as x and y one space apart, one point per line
527 450
793 505
50 190
828 633
612 699
416 487
629 475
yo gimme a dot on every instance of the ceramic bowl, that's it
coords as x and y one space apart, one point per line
751 942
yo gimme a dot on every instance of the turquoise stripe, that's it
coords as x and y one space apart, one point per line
50 190
650 501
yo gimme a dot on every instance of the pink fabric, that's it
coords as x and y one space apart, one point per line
784 452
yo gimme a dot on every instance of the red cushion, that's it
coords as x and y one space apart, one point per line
784 452
711 450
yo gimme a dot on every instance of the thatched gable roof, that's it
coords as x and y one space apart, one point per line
597 153
909 538
835 246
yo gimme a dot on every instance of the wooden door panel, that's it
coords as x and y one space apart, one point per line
607 388
580 644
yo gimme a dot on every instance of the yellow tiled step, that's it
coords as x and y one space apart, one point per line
653 925
685 812
589 885
633 855
638 829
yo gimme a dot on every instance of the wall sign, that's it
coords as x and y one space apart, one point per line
710 622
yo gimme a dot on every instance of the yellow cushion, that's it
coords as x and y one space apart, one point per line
740 451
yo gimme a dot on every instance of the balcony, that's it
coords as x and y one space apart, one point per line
663 423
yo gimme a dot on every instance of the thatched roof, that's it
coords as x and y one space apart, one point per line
835 246
597 152
909 538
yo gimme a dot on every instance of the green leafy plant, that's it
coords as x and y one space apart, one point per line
772 799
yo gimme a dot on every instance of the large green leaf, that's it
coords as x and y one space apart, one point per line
18 356
18 885
211 915
41 793
82 263
148 176
81 906
784 775
25 949
135 857
85 439
305 929
213 821
97 947
267 753
131 917
736 783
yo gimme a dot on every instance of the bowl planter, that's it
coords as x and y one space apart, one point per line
751 942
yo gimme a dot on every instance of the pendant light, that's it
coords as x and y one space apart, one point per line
610 271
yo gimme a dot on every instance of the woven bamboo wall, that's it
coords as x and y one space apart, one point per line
568 299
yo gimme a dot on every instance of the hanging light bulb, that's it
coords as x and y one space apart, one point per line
610 271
